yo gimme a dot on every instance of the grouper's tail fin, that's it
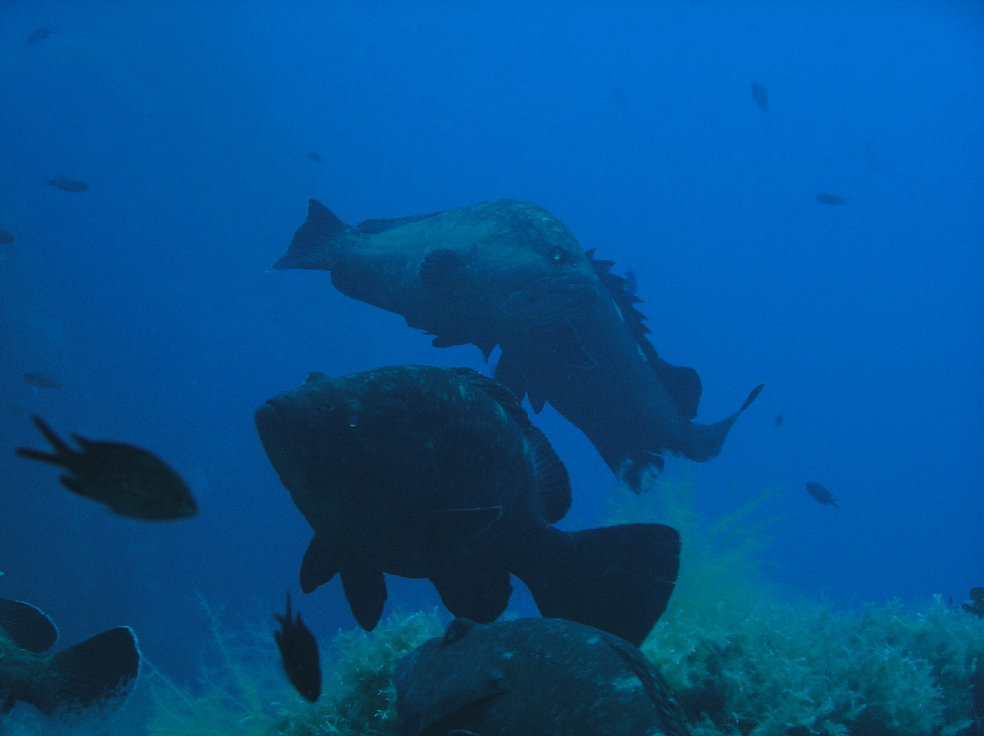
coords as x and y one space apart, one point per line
617 578
707 440
315 240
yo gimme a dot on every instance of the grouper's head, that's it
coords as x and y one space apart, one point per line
537 270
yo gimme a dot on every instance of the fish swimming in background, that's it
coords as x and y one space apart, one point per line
821 494
761 97
434 473
316 157
40 34
87 674
40 379
129 480
6 237
779 419
68 184
828 198
530 677
299 654
509 273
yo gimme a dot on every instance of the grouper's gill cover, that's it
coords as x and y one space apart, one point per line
509 273
430 473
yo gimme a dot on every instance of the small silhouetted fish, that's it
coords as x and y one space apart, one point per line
761 97
129 480
6 237
40 379
821 494
779 418
17 409
87 674
40 34
316 157
68 184
299 654
828 198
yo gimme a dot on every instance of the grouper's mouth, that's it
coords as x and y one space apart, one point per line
545 299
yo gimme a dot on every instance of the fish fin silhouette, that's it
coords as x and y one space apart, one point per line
475 591
27 626
706 440
320 563
315 240
365 591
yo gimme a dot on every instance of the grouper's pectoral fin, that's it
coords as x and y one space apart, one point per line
561 337
474 591
365 591
320 564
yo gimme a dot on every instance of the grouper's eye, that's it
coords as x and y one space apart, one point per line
557 255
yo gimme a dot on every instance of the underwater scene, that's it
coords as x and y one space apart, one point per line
473 368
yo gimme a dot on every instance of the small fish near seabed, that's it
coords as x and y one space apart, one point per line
68 184
761 97
299 654
530 677
424 472
509 273
40 34
130 480
40 379
6 237
831 199
821 494
92 673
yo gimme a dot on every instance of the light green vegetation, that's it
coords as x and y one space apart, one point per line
741 659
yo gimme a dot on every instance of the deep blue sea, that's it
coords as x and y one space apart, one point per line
149 296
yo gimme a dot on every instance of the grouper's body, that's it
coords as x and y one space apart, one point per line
423 472
509 273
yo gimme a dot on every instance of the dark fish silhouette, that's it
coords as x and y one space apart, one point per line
129 480
299 654
424 472
40 34
761 97
509 273
779 419
827 198
86 674
821 494
6 237
40 379
976 605
316 157
532 677
68 184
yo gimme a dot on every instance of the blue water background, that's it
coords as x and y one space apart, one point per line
149 297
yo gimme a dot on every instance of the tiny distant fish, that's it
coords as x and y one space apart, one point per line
316 157
129 480
68 184
761 97
828 198
779 419
40 34
40 379
17 409
299 654
821 494
6 237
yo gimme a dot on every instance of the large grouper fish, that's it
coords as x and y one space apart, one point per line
509 273
424 472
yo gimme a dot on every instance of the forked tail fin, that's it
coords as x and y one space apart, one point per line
617 579
707 440
314 240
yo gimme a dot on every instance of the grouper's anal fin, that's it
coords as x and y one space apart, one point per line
320 563
365 591
314 240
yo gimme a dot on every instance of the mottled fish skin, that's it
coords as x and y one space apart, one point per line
107 665
434 473
531 677
128 479
509 273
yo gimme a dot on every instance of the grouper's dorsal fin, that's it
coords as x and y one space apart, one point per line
683 384
27 626
371 227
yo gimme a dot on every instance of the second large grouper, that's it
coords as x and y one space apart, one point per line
424 472
509 273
